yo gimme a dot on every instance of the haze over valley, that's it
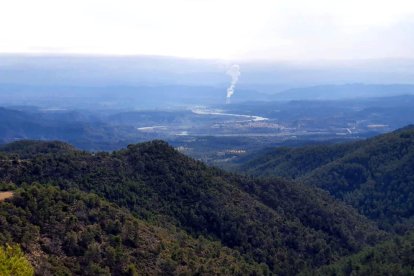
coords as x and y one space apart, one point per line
89 103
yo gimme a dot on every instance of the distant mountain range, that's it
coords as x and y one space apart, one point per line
347 91
263 76
145 82
178 96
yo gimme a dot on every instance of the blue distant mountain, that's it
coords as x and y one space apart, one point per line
347 91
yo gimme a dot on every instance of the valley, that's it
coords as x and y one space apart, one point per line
215 134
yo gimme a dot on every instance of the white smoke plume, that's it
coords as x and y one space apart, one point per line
234 73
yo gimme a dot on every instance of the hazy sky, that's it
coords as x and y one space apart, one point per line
223 29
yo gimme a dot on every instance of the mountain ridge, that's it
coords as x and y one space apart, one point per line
370 174
156 183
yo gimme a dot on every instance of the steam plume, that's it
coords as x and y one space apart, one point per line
234 72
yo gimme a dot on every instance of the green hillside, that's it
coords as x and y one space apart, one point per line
394 257
286 226
375 176
70 232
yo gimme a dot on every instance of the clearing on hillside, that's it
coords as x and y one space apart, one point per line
5 195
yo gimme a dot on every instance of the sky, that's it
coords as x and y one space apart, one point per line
211 29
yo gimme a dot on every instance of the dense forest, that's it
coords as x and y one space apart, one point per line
375 176
267 226
393 257
70 232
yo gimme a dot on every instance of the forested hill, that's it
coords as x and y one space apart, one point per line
375 176
75 233
393 257
285 226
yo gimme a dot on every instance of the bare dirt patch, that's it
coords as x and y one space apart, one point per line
5 195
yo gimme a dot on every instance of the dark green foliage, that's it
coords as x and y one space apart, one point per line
375 176
394 257
291 162
288 227
28 148
67 233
